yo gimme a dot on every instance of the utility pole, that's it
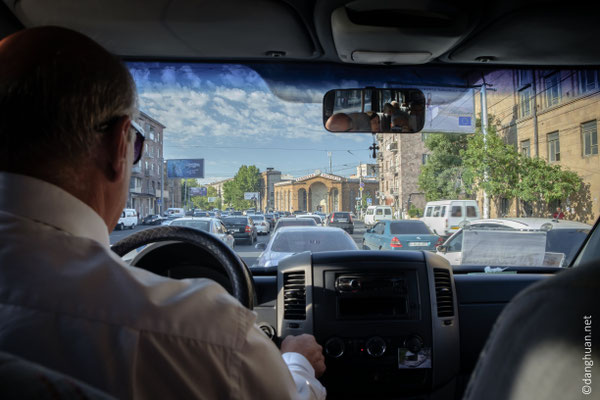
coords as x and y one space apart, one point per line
330 165
162 186
484 126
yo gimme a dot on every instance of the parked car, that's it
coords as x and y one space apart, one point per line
341 219
562 237
296 239
446 216
128 219
210 225
377 213
263 227
242 228
174 212
294 222
400 235
317 218
153 219
199 213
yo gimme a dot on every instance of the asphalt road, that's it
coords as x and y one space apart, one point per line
248 253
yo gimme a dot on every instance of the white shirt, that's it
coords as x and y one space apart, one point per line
69 303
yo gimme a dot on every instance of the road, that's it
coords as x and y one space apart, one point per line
248 253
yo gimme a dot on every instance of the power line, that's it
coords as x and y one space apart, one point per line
258 148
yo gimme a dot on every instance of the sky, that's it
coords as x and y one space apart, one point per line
227 115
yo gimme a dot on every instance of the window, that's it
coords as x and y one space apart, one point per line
379 228
388 211
553 147
588 81
436 211
443 213
552 87
424 158
589 138
146 165
379 211
471 212
525 101
524 77
455 245
456 211
146 148
151 133
428 211
526 148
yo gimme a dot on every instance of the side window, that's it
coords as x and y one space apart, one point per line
379 211
428 212
471 212
456 211
455 245
443 213
379 228
123 214
436 211
388 211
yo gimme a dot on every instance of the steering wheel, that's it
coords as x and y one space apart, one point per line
242 285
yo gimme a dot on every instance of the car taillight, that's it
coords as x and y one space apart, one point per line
248 229
395 242
332 218
446 222
351 219
440 241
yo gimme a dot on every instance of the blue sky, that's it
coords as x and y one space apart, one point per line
227 115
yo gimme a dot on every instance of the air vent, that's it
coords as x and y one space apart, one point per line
294 295
443 292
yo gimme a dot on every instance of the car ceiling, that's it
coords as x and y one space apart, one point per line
501 32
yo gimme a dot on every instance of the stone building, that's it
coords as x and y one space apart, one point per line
399 162
552 115
219 187
322 192
268 179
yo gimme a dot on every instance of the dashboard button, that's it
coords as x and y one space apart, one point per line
335 347
376 346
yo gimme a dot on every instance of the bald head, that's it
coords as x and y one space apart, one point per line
339 122
56 87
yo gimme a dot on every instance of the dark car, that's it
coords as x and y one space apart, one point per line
341 219
294 222
152 220
241 227
271 218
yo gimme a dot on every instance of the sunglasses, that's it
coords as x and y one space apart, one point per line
138 146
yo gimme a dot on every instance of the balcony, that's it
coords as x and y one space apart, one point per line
166 193
392 146
135 189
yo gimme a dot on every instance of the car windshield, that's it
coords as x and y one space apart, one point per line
314 241
297 222
201 225
408 227
250 138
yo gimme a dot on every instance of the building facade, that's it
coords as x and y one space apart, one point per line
322 192
219 188
366 171
268 179
399 163
552 115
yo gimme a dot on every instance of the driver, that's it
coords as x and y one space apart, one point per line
67 302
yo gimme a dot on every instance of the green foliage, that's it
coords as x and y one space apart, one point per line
443 176
202 203
247 179
415 212
458 164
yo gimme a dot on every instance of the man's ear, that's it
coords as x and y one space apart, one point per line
117 146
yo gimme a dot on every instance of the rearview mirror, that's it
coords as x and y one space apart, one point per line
374 110
260 246
442 248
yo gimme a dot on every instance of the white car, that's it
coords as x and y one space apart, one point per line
561 237
263 226
377 213
210 225
128 219
316 217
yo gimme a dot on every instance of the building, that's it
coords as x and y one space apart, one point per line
399 163
322 192
145 184
218 185
366 171
268 179
552 115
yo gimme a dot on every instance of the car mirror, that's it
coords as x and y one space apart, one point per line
369 230
374 110
260 246
442 248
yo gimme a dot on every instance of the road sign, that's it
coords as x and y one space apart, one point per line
158 201
361 189
358 198
212 199
369 201
362 184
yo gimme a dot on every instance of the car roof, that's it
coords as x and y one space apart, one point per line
532 223
328 31
309 229
195 219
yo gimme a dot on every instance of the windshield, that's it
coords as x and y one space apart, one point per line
409 227
250 138
314 241
201 225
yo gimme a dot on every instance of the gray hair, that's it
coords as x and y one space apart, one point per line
50 110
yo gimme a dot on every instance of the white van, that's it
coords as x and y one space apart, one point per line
175 212
128 219
377 213
445 217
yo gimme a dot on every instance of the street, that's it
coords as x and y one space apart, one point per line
248 253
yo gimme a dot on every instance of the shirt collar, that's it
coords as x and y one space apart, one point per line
44 202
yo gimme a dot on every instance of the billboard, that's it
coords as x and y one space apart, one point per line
190 168
251 196
198 191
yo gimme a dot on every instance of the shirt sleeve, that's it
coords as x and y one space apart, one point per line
266 374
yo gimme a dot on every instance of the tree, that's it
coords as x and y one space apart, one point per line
247 179
444 176
202 202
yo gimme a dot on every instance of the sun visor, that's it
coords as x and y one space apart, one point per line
542 35
370 32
